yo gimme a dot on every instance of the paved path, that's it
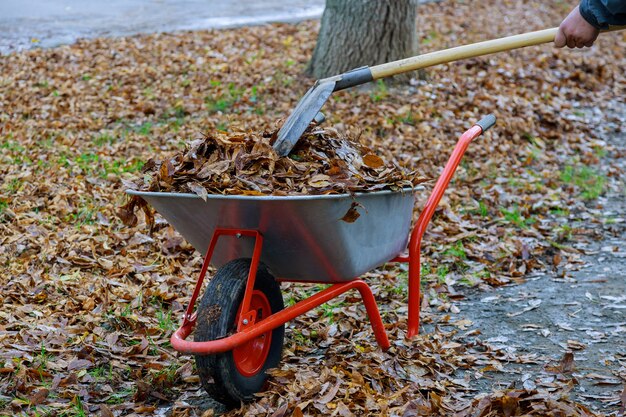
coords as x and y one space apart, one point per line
26 24
581 311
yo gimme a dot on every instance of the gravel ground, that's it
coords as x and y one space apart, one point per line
579 311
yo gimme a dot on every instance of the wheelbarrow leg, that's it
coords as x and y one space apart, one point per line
372 312
415 243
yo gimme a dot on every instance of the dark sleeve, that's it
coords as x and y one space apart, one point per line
604 13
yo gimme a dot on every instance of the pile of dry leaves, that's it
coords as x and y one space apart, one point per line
244 163
87 304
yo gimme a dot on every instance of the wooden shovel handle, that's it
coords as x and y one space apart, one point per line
463 52
468 51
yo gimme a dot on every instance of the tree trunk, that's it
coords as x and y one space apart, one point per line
355 33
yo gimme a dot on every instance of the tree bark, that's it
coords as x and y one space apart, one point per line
355 33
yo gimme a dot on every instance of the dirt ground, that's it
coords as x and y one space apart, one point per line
581 311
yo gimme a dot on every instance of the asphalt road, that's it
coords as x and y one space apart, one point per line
26 24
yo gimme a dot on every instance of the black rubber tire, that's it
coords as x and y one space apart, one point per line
217 313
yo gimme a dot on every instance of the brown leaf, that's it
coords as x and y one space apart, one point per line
281 411
331 393
566 365
105 411
39 396
166 171
435 402
352 214
79 364
143 391
198 190
509 405
373 161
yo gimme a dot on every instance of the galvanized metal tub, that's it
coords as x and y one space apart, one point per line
304 237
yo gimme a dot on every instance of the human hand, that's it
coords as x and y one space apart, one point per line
575 31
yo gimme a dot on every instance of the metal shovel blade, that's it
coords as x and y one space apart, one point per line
303 114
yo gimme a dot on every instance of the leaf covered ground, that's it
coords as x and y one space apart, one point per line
88 304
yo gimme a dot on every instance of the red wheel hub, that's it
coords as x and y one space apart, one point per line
250 357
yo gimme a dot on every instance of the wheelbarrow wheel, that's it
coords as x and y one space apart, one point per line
234 377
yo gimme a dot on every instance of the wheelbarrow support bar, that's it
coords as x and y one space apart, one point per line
251 330
415 243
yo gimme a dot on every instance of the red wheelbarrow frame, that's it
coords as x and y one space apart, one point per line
247 327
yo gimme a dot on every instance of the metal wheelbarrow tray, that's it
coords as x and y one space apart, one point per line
305 238
256 242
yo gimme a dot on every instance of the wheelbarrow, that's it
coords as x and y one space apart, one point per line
258 241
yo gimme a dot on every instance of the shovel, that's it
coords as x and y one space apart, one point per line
309 106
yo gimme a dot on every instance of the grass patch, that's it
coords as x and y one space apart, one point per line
589 181
515 216
457 250
401 284
380 91
103 139
121 396
225 101
564 232
482 209
165 321
442 273
14 185
559 212
144 129
102 373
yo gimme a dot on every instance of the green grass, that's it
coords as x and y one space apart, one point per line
119 166
102 373
91 164
328 309
442 273
564 232
165 321
224 101
299 338
290 301
14 185
127 311
103 139
432 35
12 146
589 181
121 396
87 161
482 209
380 91
559 212
457 250
515 216
401 284
144 129
77 409
42 357
600 151
84 215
